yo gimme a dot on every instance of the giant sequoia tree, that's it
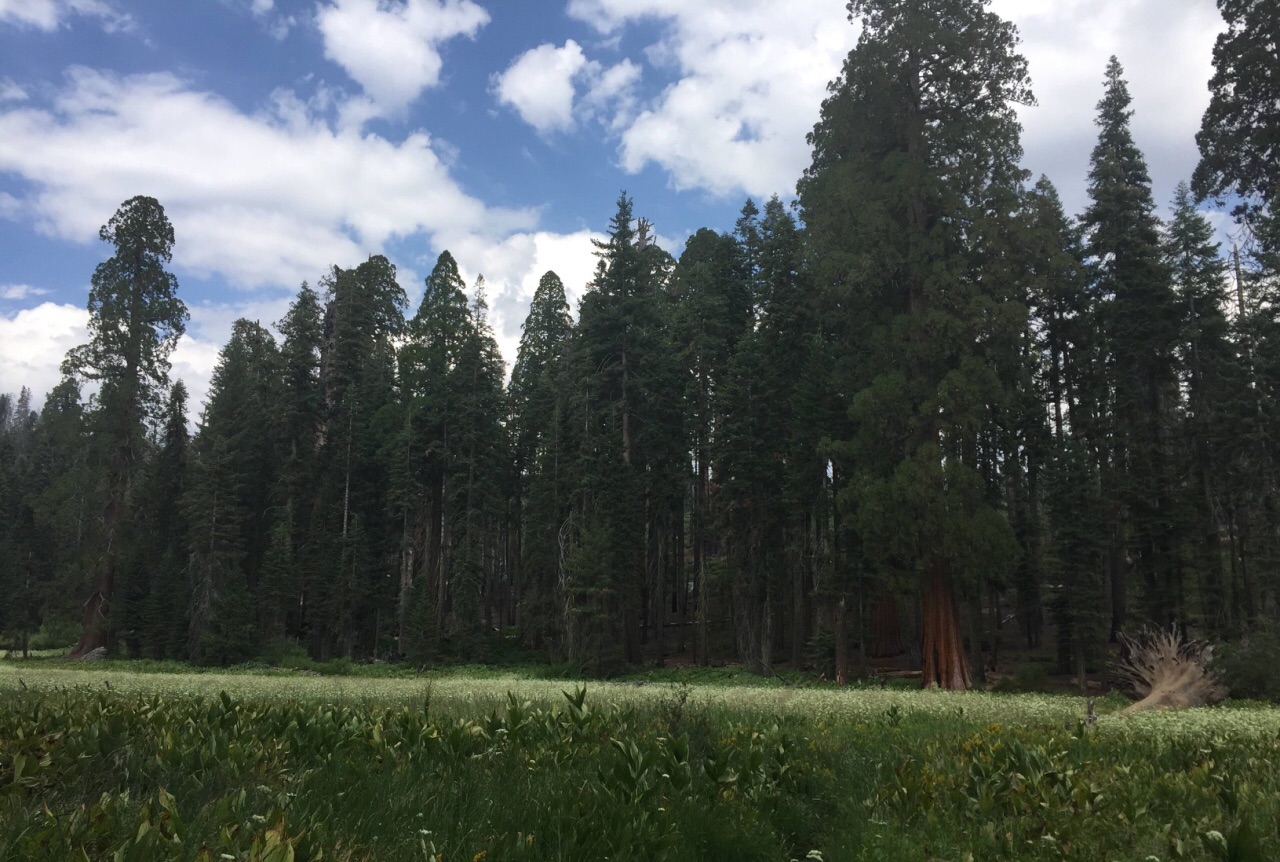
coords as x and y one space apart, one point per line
135 321
915 164
1239 149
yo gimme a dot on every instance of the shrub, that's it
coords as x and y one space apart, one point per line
1027 679
1249 667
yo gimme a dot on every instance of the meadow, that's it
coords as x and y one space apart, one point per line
109 763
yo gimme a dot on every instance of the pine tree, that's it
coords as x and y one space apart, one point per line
229 499
1207 360
624 372
158 589
348 601
479 483
713 309
1139 316
541 457
1063 540
427 449
300 409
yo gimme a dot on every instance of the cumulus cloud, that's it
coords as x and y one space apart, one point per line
750 76
540 85
543 83
512 268
267 198
48 15
1067 45
392 48
263 200
33 342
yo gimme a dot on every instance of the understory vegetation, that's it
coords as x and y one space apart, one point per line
116 765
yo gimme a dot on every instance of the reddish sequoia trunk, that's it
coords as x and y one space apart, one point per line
942 649
886 627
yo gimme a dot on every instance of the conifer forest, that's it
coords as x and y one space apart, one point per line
904 411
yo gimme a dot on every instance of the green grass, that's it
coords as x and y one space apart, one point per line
35 653
106 763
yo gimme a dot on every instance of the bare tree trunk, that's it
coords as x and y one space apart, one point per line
842 641
886 627
943 657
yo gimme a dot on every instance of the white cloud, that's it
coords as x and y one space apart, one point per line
33 342
48 15
1067 44
276 24
11 92
271 198
512 268
20 292
614 89
751 77
539 84
392 48
543 85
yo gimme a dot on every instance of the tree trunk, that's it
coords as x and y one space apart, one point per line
842 642
886 627
942 649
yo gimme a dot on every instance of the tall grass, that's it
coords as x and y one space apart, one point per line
153 766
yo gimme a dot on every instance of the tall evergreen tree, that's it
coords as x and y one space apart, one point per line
427 449
157 588
625 372
1208 374
713 309
135 321
348 602
1139 316
230 498
541 456
1239 152
1064 543
915 165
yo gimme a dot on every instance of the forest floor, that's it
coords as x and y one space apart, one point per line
487 765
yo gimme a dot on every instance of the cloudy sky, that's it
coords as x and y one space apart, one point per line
286 136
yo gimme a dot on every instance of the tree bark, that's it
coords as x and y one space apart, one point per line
886 627
942 648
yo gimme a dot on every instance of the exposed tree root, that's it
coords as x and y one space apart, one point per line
1167 672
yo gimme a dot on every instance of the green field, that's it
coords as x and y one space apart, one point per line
107 763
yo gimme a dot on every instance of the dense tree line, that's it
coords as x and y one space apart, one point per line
921 406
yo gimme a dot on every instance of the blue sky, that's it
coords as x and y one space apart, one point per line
284 136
